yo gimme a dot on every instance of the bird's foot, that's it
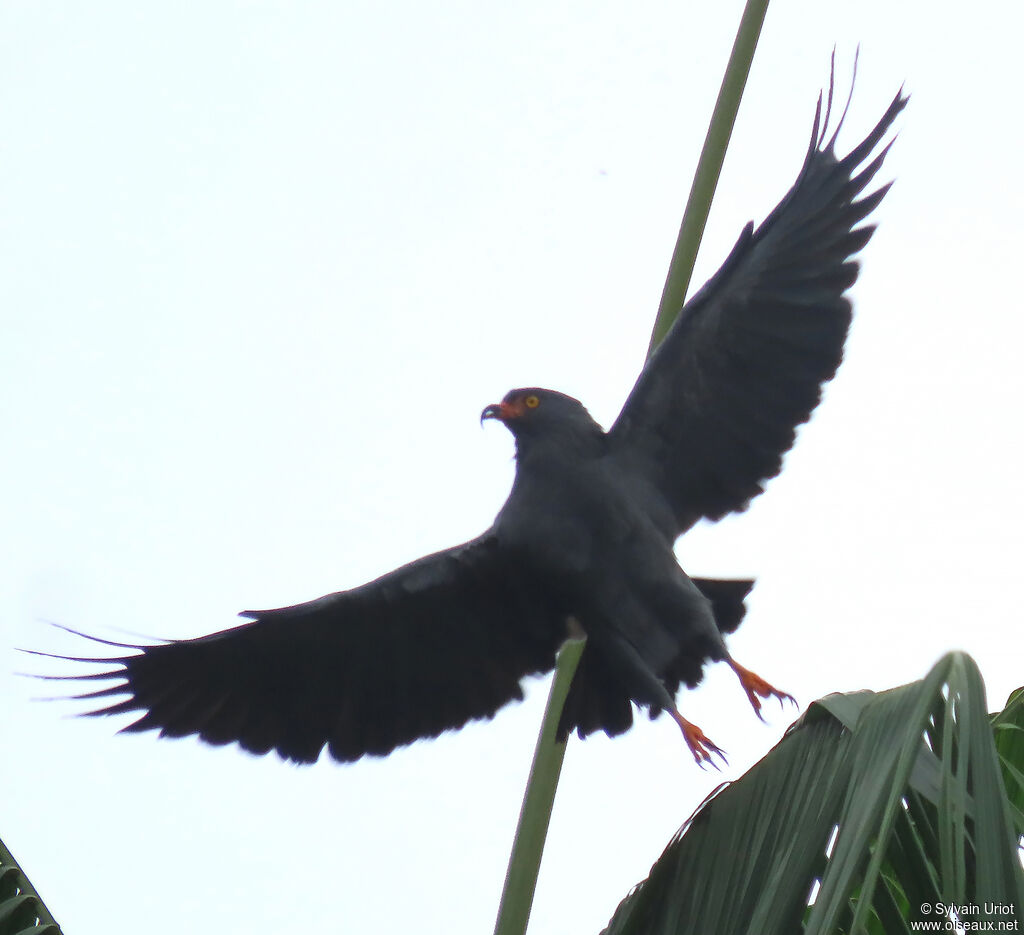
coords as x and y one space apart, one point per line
757 688
702 748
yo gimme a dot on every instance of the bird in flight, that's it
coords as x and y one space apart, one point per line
586 534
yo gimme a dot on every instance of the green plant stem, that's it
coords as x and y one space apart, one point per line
709 168
538 800
534 816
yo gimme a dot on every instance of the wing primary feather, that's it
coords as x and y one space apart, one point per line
101 660
98 639
121 707
858 154
849 97
831 95
109 691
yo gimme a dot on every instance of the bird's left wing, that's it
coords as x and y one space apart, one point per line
424 649
718 403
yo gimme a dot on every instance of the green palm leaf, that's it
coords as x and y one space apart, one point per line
21 910
1008 728
871 806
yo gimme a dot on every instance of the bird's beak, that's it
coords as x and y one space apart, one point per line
493 411
504 412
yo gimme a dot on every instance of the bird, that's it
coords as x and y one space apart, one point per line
584 541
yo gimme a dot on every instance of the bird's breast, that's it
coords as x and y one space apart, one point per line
567 520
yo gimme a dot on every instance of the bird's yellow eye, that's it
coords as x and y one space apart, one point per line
532 402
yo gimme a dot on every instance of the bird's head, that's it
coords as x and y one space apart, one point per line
534 412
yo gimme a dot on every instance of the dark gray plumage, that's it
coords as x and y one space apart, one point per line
587 531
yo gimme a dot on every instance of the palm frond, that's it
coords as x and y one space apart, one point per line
1008 729
21 910
870 807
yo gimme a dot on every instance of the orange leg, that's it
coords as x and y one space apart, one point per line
757 688
700 746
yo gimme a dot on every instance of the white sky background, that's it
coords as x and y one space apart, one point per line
261 267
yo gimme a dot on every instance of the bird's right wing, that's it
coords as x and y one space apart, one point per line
424 649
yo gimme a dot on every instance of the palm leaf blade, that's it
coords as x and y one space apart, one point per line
21 910
909 778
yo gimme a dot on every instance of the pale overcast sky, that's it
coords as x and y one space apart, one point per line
261 267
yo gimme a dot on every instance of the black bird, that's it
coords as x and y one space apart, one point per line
586 534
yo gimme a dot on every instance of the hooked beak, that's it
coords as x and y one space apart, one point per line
505 411
493 411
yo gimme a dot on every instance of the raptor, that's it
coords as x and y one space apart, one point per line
586 534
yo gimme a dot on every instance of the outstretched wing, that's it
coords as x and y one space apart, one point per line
718 403
424 649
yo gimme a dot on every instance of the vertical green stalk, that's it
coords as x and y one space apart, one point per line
538 800
709 168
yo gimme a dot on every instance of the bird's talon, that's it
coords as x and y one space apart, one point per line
702 748
757 688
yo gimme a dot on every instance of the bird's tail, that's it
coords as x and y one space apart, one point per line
727 599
